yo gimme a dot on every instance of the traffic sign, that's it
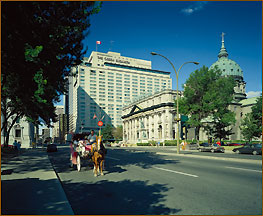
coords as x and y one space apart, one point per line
100 123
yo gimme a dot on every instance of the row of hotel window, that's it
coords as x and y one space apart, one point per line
126 67
119 76
101 73
126 83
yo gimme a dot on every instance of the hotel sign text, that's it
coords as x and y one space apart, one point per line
113 60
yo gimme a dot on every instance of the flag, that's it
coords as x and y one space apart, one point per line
102 117
98 42
94 116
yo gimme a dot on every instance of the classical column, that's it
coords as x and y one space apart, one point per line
156 119
135 130
130 131
170 127
150 127
163 119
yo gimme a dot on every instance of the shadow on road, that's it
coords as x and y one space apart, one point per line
113 197
116 161
31 196
117 198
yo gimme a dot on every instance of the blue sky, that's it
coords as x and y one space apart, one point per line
182 31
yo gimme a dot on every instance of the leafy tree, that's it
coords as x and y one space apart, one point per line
207 95
257 116
107 132
41 42
221 94
118 133
251 125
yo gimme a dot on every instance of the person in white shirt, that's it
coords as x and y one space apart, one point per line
92 137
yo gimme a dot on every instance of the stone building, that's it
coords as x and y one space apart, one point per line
60 128
150 118
22 131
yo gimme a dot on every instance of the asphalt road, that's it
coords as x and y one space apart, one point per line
150 181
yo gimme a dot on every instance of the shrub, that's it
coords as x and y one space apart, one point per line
152 143
171 142
142 144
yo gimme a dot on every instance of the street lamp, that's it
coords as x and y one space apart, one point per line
177 106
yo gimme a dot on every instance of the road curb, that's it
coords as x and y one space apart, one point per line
211 157
61 188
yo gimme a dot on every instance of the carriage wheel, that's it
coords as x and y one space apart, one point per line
78 163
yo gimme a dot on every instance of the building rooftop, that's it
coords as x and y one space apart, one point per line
248 101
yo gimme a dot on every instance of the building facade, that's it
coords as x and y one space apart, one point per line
55 130
45 134
22 131
151 118
104 83
60 127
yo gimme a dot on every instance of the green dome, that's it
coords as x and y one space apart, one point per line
226 65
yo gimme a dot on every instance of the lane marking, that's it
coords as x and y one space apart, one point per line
244 169
176 172
112 158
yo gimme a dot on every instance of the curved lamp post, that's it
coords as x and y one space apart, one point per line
177 106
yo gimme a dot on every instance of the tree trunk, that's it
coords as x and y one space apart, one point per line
9 130
197 134
4 123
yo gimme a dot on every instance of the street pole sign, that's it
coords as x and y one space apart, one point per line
100 123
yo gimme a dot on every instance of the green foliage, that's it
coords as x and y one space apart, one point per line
41 42
107 132
38 78
171 142
118 133
257 116
251 125
143 144
207 96
30 53
152 142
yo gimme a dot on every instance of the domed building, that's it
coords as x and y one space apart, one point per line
231 68
240 105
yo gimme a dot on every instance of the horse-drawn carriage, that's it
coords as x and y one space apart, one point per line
80 151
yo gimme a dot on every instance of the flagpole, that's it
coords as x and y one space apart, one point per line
96 46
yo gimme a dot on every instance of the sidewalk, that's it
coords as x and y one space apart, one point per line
29 186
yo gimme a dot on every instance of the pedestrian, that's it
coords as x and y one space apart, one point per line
18 146
15 144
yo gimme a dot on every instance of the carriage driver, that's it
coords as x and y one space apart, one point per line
92 138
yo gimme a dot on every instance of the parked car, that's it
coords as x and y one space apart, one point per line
249 149
52 148
211 147
235 144
108 144
222 143
116 145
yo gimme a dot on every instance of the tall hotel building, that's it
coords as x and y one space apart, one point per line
104 83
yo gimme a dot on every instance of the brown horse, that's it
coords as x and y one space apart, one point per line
98 156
